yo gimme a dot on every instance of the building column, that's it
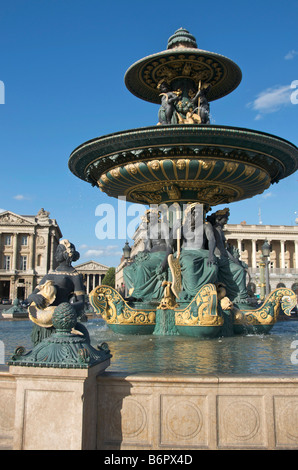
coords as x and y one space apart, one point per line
239 243
253 254
15 252
282 252
296 254
87 284
31 253
52 245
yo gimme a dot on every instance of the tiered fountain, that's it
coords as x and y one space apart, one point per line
185 283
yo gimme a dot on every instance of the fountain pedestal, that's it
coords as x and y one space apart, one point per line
56 409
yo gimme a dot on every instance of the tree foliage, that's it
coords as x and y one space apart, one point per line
109 279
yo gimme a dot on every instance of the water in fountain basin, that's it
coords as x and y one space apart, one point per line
272 354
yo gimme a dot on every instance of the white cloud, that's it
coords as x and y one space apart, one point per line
101 251
93 253
2 210
267 195
291 54
21 197
271 100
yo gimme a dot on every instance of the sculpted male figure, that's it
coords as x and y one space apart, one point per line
197 260
231 271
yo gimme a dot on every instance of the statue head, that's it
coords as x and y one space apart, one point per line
163 86
66 252
219 217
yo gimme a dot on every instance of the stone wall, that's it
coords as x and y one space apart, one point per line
153 412
7 408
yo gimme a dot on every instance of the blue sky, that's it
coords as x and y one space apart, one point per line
63 62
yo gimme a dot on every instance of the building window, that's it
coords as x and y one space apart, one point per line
295 287
8 240
24 240
242 246
23 264
38 260
280 284
7 263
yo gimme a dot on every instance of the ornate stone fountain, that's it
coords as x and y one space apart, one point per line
185 283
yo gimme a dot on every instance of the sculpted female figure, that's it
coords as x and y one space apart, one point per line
231 271
64 284
197 260
145 275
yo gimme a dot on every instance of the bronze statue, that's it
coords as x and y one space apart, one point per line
145 275
197 260
64 284
231 271
168 100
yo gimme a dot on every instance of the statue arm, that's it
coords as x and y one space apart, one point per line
79 293
211 242
36 297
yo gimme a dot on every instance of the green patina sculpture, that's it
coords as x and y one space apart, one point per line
144 277
57 303
204 257
178 281
64 284
231 271
62 349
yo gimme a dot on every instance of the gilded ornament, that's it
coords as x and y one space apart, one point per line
131 168
202 311
108 303
280 299
104 178
115 172
181 164
154 164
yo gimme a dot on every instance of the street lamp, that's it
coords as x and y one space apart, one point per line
126 251
265 255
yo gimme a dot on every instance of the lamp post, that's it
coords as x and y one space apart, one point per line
265 255
126 251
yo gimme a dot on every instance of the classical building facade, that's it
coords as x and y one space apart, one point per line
27 252
248 240
93 274
27 248
283 259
